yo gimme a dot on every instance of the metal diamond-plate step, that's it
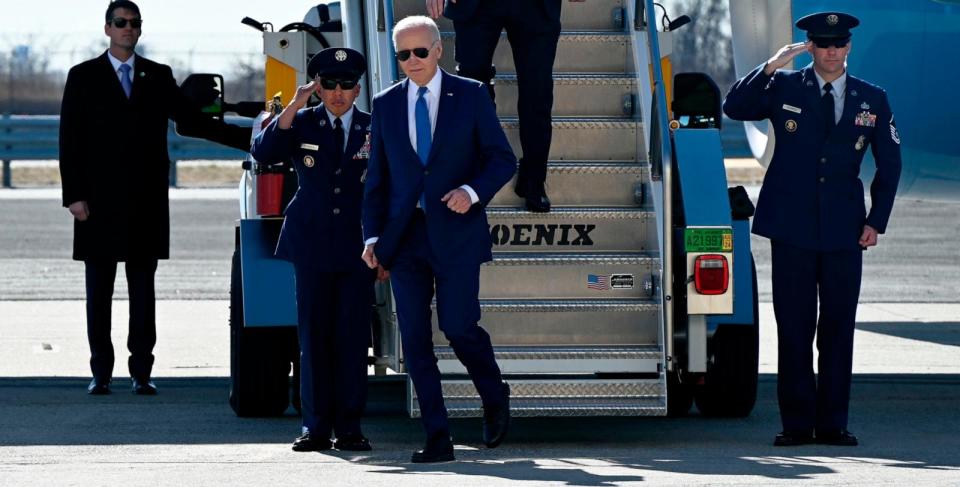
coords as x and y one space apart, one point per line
567 276
574 15
583 95
566 360
587 139
542 397
567 322
573 230
587 184
577 52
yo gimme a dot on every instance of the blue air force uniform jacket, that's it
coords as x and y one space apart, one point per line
321 228
812 196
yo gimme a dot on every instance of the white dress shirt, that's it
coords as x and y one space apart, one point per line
116 65
346 119
432 97
839 91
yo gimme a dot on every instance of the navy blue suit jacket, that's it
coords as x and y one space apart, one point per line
812 196
469 147
321 226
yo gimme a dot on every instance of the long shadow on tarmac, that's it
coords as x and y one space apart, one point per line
944 333
908 421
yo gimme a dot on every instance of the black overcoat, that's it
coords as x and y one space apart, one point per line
113 155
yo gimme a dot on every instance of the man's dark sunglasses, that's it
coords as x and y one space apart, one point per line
331 83
420 52
120 22
828 43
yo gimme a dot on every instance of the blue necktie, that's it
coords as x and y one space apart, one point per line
422 116
125 79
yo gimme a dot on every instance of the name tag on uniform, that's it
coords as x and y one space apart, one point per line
791 108
310 146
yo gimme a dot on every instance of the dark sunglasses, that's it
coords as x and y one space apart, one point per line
120 22
420 52
828 43
331 83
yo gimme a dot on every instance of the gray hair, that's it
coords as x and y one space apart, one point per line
416 22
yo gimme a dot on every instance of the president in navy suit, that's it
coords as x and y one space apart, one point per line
329 145
438 156
811 207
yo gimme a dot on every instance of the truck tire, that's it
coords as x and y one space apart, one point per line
259 360
729 387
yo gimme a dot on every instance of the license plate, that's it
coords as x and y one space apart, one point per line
708 240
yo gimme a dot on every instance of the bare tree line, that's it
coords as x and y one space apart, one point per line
31 85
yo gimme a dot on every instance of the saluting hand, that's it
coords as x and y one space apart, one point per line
785 55
869 237
435 8
458 200
303 95
285 120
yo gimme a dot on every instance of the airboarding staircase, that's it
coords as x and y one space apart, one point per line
571 299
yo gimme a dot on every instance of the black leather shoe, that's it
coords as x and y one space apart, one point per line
792 438
837 438
144 388
496 421
356 442
305 442
436 450
98 388
537 203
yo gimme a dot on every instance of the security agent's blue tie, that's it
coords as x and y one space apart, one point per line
125 79
422 117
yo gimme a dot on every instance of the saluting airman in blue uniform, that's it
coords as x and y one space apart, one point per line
811 207
329 146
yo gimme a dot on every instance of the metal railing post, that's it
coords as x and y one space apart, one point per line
7 175
173 174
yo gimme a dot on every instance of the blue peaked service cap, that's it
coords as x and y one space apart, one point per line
337 63
828 26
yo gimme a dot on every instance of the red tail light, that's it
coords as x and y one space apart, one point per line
711 274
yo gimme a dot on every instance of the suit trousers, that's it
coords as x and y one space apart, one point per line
800 277
142 335
414 275
533 37
333 316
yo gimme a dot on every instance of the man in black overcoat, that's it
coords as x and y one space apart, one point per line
114 169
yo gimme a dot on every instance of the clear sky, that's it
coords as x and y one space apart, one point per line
199 35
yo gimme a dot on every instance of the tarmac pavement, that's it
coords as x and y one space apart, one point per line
906 386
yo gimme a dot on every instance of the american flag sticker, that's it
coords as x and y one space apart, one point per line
600 283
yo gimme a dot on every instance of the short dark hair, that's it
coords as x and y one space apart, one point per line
126 4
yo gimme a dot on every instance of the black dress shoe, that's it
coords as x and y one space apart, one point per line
436 450
98 388
144 388
356 442
792 438
496 421
537 203
837 438
305 442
